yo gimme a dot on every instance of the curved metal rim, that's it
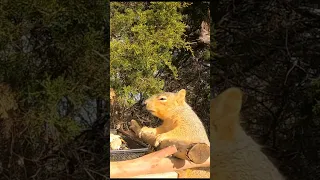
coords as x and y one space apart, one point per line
140 150
129 150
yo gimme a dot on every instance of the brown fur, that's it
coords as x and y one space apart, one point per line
234 155
179 122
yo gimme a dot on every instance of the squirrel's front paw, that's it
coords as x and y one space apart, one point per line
146 130
134 125
159 139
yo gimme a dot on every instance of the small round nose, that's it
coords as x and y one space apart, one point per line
143 103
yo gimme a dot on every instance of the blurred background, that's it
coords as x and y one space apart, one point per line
270 49
54 90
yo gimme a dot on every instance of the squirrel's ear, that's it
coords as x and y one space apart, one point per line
228 102
225 113
182 95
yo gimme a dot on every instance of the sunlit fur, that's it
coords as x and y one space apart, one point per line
235 155
179 122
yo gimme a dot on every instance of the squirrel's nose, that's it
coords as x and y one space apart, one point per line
144 103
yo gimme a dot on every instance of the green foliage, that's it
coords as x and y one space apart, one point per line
50 50
143 37
7 101
54 91
206 54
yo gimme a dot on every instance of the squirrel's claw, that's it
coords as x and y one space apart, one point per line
135 127
159 139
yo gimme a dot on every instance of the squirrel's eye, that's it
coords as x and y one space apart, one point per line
162 99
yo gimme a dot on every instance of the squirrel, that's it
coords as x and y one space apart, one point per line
179 122
234 154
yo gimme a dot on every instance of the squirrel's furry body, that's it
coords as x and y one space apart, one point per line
234 154
179 122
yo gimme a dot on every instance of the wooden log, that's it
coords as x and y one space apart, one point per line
153 163
195 152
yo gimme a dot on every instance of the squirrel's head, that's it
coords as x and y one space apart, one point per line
225 114
161 104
